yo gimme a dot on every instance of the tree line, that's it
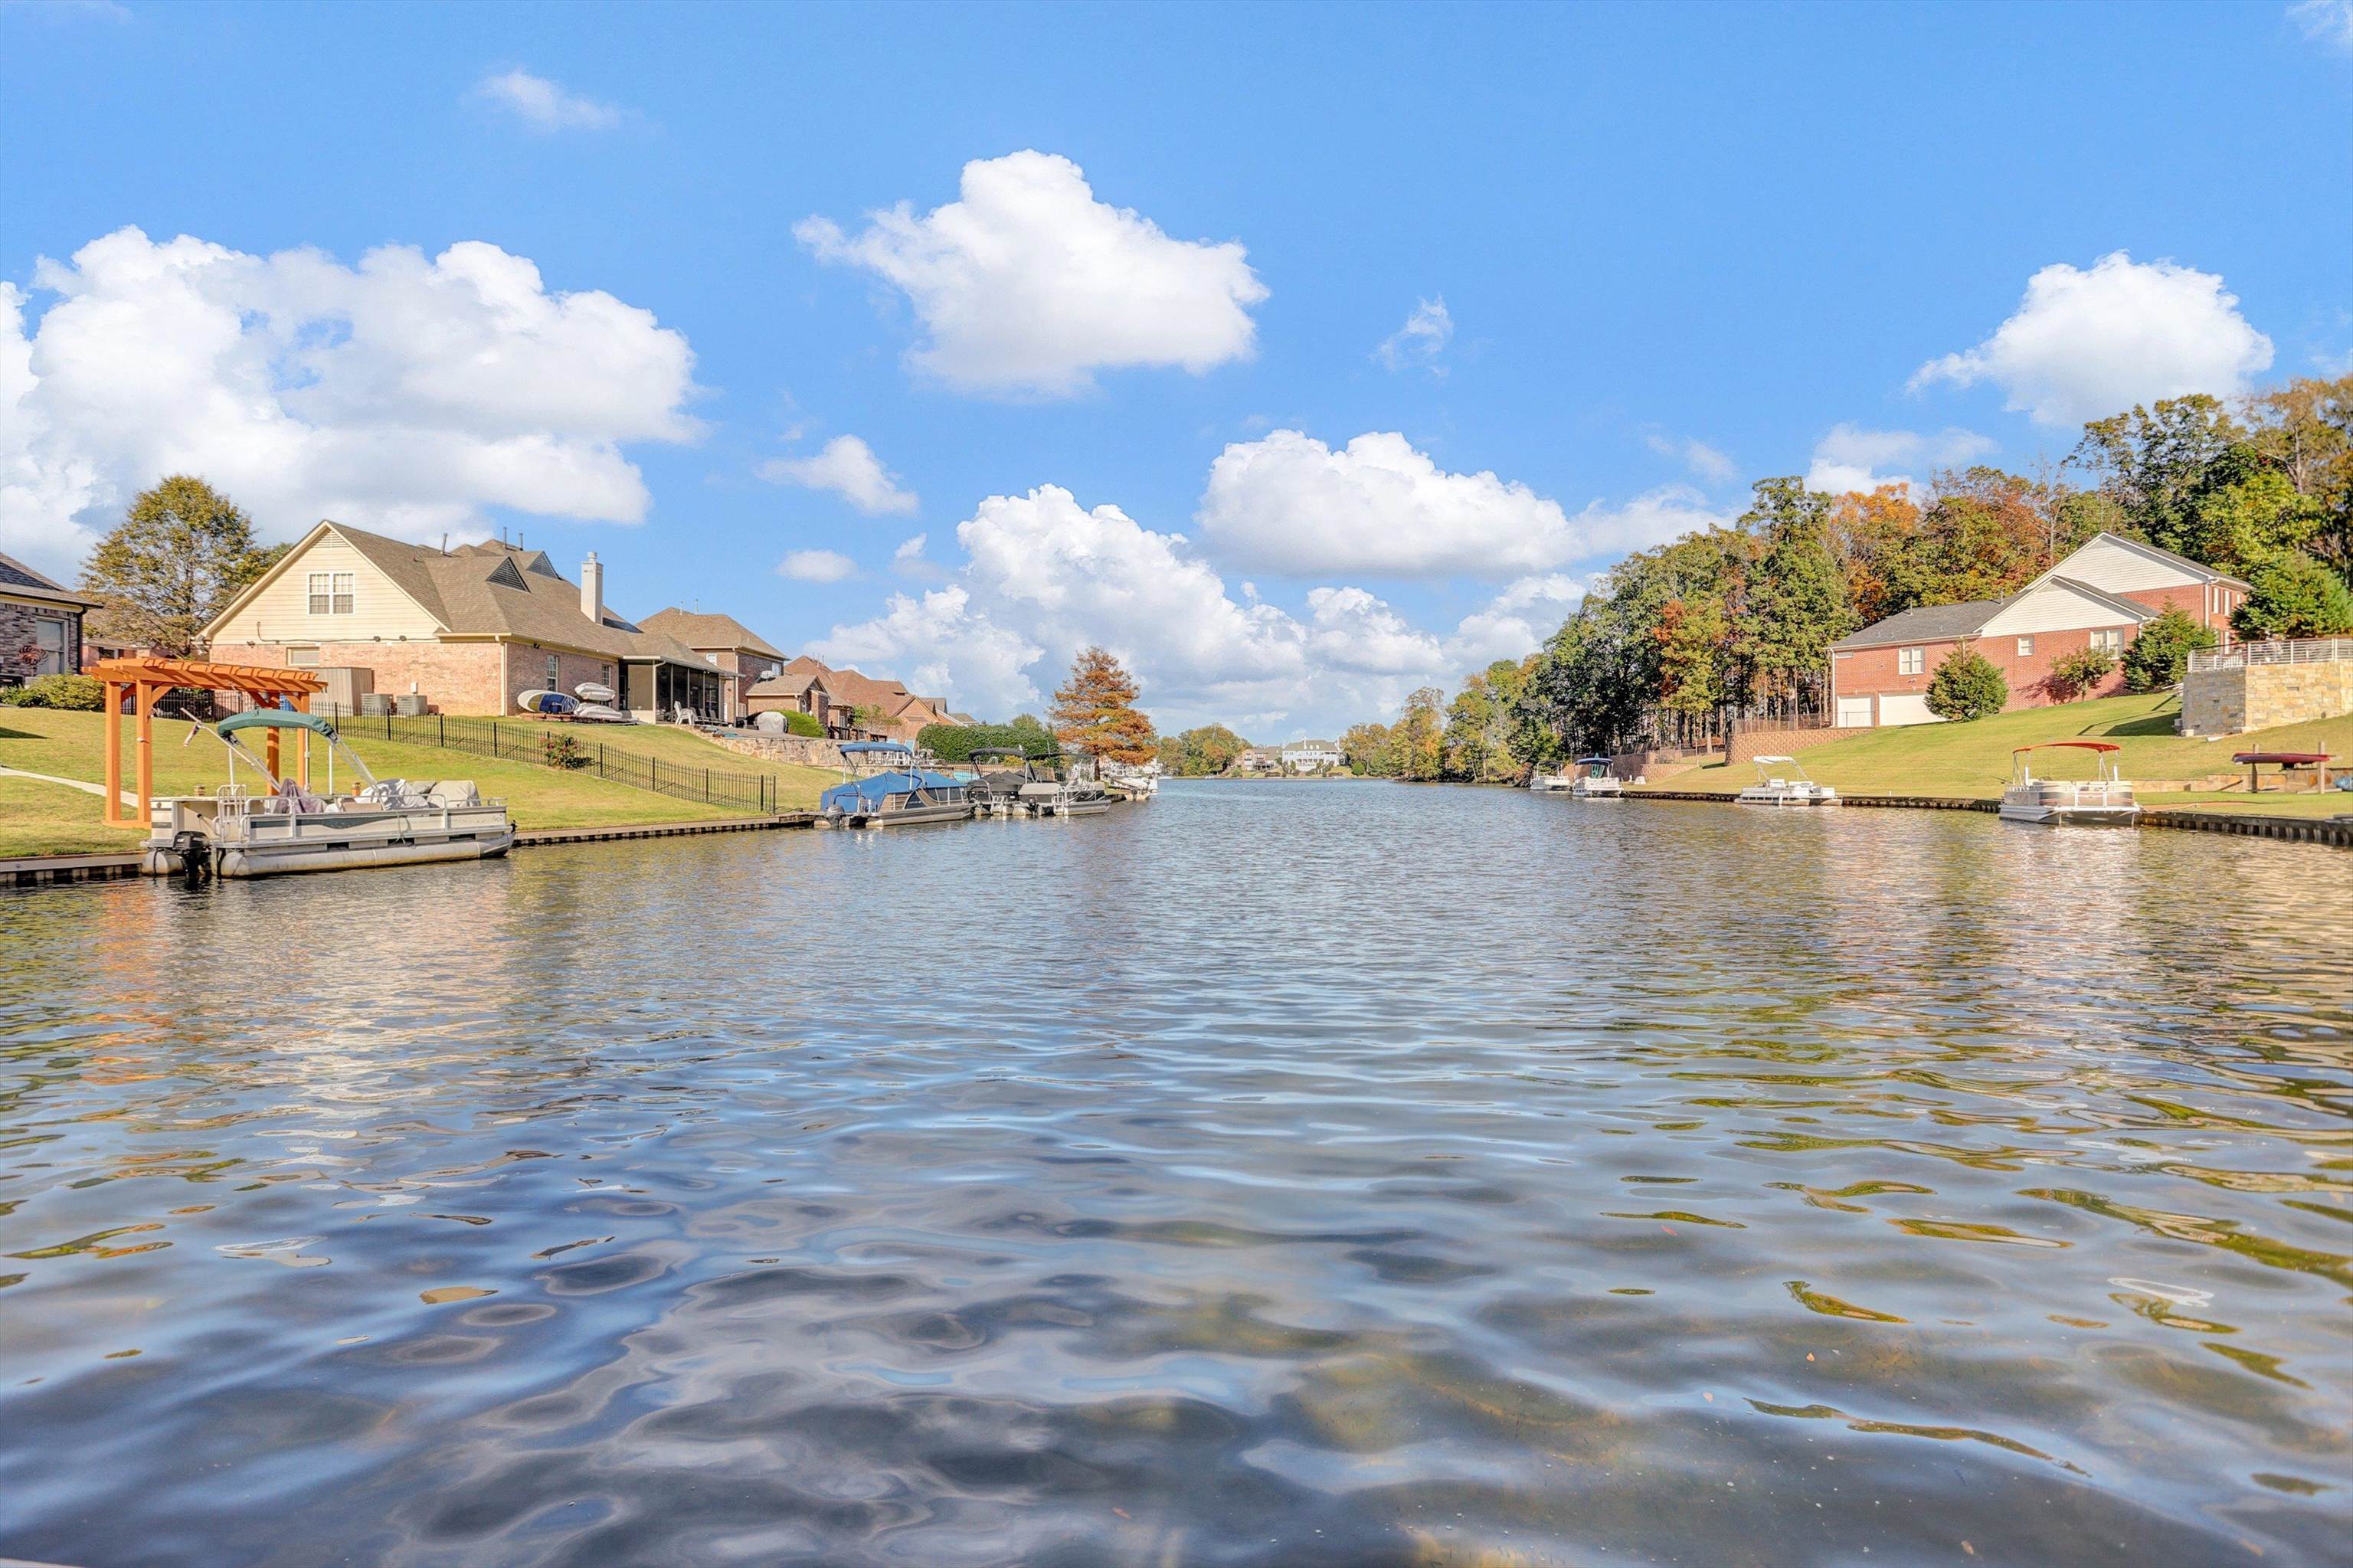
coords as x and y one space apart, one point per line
1674 643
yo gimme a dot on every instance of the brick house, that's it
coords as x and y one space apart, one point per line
884 710
2096 597
40 625
727 642
470 629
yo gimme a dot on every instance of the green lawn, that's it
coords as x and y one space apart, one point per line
1973 759
50 818
796 786
41 819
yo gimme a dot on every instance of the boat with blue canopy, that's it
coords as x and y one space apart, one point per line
898 796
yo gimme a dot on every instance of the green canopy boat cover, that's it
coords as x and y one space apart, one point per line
275 718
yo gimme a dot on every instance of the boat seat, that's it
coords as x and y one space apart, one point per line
454 792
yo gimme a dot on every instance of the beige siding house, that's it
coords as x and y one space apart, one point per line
469 629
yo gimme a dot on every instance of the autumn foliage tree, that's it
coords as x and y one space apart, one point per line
1095 711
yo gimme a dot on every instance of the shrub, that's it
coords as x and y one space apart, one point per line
72 693
799 723
2073 674
2158 656
1966 686
957 743
560 750
2295 596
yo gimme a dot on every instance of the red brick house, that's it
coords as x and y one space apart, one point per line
885 710
2098 597
727 642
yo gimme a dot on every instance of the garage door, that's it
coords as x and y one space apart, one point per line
1855 713
1913 709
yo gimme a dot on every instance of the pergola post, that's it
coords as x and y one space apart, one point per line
114 815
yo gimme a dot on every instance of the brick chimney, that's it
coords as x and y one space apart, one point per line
592 589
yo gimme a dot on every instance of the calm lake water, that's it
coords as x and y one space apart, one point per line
1270 1175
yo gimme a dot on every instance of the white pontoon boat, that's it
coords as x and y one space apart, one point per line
1789 788
2102 799
287 829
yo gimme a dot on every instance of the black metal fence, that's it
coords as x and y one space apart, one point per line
565 748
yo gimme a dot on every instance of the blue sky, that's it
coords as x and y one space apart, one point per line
1677 248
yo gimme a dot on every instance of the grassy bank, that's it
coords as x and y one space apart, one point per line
47 818
1973 759
798 786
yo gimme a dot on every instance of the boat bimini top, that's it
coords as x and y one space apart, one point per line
868 748
275 719
863 796
2103 754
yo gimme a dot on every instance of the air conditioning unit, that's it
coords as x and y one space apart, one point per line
376 704
410 705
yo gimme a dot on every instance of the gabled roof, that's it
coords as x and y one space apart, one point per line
1925 623
697 629
488 590
19 580
2198 570
2131 610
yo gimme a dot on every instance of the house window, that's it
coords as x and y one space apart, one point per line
553 676
2109 641
302 658
49 647
1911 660
330 593
2026 647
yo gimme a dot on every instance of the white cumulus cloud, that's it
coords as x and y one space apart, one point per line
2085 344
1288 502
1428 329
1047 576
2329 21
847 467
817 566
544 105
1852 459
403 394
1027 284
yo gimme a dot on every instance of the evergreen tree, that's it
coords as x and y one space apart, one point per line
2160 653
1967 686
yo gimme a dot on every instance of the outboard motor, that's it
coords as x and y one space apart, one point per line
195 852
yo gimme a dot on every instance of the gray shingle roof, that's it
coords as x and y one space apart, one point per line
15 575
1927 623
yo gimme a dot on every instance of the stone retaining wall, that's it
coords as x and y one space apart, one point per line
2260 696
808 750
1749 744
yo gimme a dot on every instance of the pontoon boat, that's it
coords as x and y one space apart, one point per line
999 774
391 822
1773 789
2101 800
1054 790
899 796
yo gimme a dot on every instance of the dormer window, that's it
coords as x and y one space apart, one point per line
330 593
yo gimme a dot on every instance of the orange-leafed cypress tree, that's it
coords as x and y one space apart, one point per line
1095 713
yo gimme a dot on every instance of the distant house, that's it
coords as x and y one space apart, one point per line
1259 759
848 704
2096 597
1309 756
40 625
470 629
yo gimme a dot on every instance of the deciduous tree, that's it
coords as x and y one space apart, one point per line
1966 686
1095 711
181 552
2160 653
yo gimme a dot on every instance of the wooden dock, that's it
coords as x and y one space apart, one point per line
46 870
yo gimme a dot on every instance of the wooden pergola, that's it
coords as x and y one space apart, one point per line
146 678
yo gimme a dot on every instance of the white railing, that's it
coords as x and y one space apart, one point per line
2303 650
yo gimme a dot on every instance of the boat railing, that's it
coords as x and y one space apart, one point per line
2285 651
